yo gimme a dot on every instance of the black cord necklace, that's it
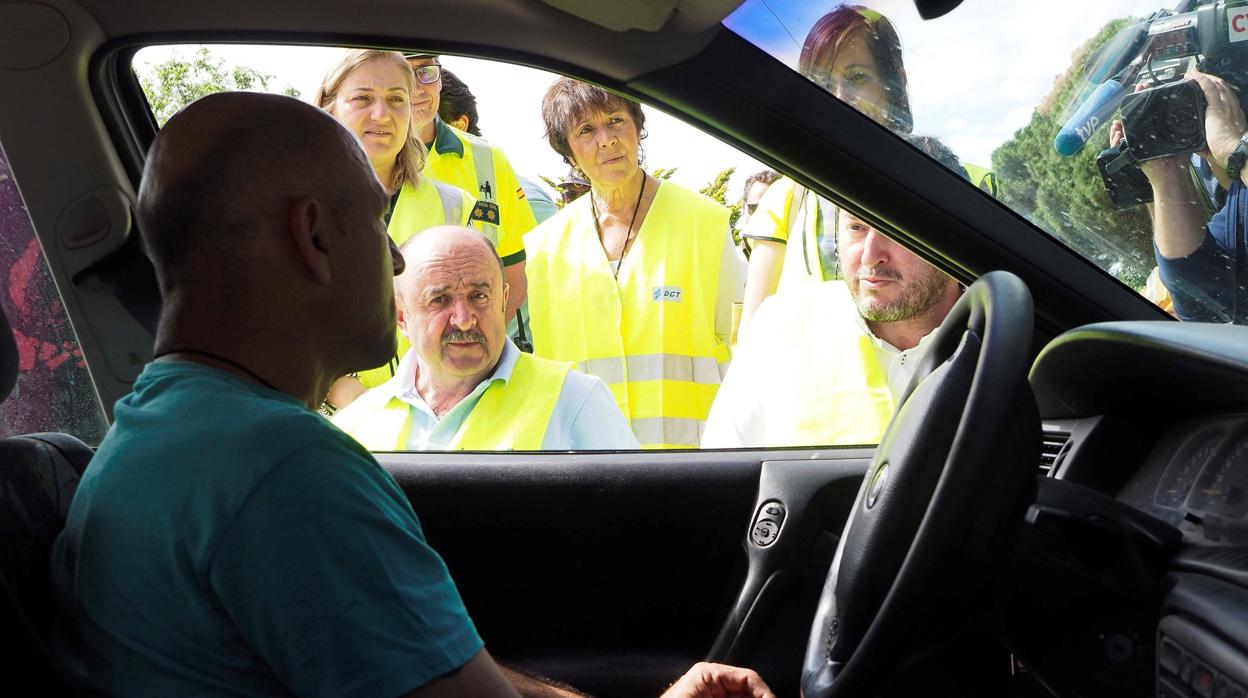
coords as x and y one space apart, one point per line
627 235
211 355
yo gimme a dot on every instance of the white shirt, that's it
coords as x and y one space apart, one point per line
898 365
738 416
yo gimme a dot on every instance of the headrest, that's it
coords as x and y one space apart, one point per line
8 357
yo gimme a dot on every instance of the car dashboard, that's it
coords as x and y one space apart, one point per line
1137 540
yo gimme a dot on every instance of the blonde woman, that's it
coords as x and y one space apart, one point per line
370 93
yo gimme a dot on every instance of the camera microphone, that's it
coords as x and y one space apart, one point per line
1095 110
1122 59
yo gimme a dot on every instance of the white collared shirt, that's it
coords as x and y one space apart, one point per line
898 364
738 417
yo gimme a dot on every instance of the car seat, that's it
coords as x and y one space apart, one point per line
38 476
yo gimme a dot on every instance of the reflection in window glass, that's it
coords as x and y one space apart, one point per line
53 391
850 311
1090 122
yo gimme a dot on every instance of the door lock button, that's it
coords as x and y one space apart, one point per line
764 533
766 526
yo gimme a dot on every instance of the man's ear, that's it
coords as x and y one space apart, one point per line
400 314
310 235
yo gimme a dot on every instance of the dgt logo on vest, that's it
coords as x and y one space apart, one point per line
1237 25
666 294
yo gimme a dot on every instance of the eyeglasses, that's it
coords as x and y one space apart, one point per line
428 74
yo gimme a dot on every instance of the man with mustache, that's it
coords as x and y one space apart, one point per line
849 348
464 385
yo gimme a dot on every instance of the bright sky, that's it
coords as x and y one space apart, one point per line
975 76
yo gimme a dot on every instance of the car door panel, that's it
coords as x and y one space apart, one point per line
615 572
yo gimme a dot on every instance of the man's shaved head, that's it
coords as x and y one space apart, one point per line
442 239
264 221
223 167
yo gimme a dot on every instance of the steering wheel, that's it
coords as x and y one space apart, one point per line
952 468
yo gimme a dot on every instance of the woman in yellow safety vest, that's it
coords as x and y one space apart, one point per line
370 93
635 281
854 53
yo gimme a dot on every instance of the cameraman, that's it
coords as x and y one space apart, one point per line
1204 265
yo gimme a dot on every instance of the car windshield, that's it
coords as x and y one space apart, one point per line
1089 120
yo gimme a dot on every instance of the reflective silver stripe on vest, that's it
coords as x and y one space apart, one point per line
452 202
609 370
669 430
653 367
483 165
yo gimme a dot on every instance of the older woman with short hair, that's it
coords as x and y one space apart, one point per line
635 281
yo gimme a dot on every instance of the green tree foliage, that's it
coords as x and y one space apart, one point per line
1065 196
717 189
554 186
171 85
550 182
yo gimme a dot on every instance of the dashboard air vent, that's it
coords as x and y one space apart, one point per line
1052 450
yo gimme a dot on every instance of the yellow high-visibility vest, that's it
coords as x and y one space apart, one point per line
511 415
983 178
790 213
473 164
650 336
431 203
829 387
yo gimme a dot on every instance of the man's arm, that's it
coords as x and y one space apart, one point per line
480 676
707 680
1178 214
483 677
1192 252
768 233
1224 121
531 686
762 277
1200 283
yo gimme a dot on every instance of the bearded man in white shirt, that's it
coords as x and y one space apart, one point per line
826 362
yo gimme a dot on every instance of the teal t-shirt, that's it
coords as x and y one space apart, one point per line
226 539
